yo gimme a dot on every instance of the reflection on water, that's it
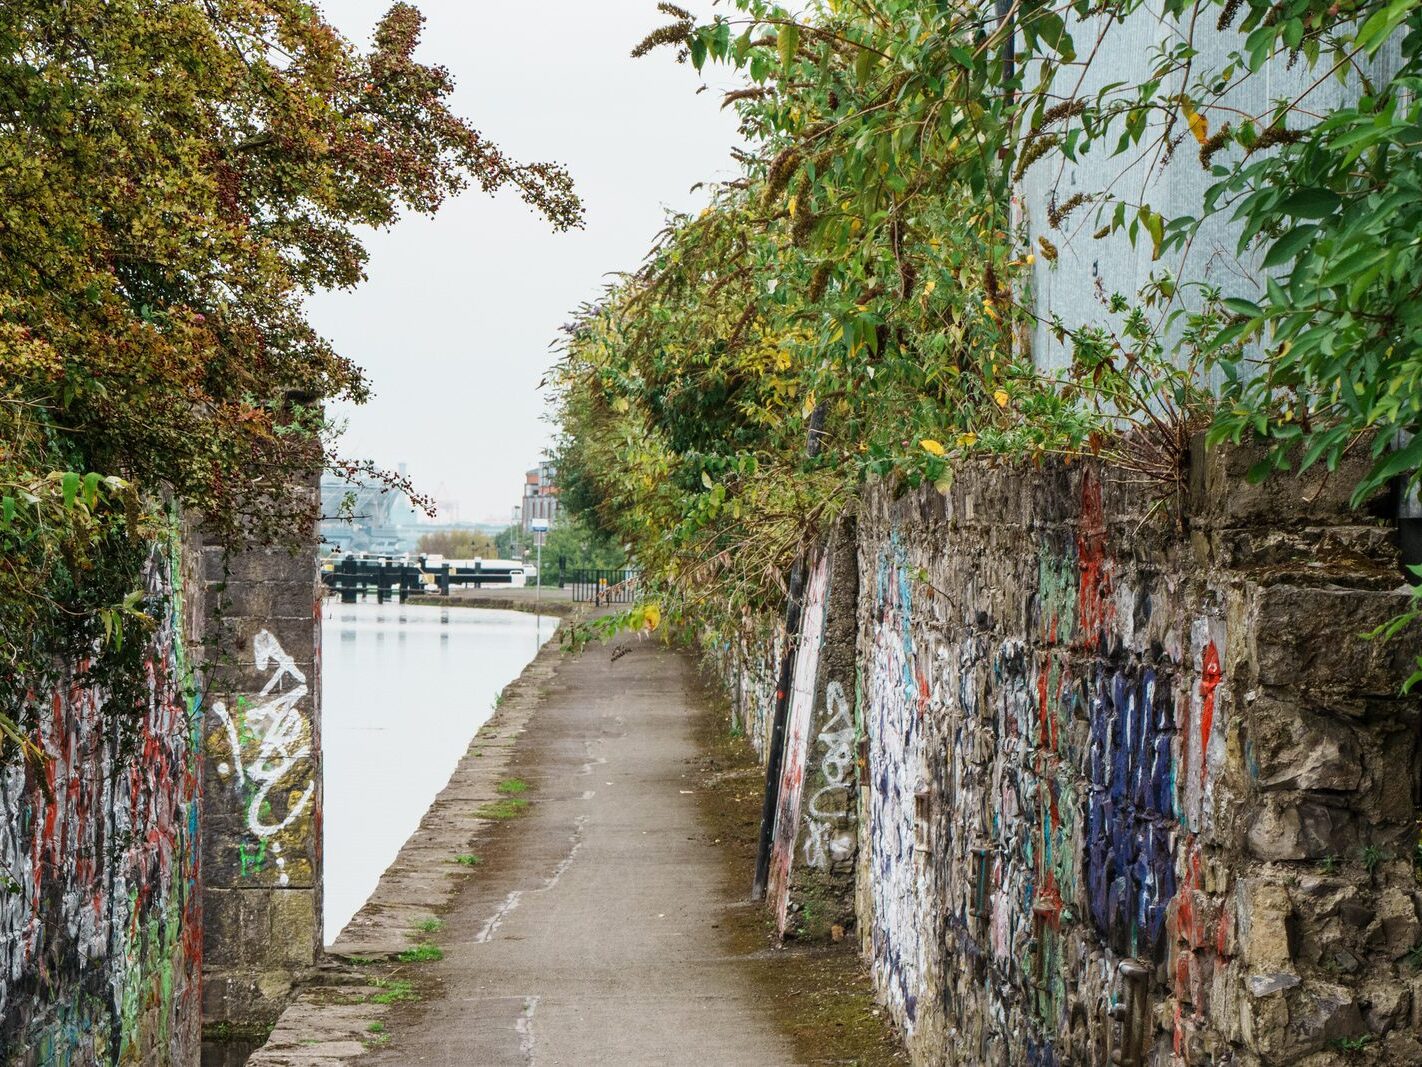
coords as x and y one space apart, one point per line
404 688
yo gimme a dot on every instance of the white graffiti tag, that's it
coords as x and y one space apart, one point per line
280 735
822 844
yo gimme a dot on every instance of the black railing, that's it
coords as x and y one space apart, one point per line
389 580
602 587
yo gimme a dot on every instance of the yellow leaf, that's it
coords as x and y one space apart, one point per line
929 286
1198 126
808 407
1001 397
932 446
651 617
967 440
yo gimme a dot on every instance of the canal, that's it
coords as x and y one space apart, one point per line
404 688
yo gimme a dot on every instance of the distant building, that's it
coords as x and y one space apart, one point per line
365 516
540 495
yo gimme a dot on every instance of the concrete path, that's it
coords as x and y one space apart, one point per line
591 933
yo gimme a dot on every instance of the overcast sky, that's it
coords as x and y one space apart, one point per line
454 323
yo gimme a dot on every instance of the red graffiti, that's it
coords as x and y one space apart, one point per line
1198 924
1095 608
1043 715
1210 677
109 836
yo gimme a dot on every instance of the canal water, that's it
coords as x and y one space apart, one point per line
404 688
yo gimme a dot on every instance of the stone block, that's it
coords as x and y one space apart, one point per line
1222 496
258 565
1321 1015
1264 911
1288 829
1269 983
1402 1047
1386 1005
1395 928
261 930
1298 749
1311 638
1358 556
264 600
247 998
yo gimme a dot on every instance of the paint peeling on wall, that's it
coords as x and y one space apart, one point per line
803 685
100 915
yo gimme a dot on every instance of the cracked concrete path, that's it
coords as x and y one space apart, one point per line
591 933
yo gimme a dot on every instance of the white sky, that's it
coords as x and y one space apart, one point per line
454 323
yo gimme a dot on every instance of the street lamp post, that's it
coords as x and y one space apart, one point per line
539 528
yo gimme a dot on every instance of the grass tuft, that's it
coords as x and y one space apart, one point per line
508 808
393 991
421 953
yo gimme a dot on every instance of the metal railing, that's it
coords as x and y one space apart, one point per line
602 587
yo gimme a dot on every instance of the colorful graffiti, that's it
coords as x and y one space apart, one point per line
895 690
1030 770
100 915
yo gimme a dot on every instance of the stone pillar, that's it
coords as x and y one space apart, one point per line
812 866
261 784
822 882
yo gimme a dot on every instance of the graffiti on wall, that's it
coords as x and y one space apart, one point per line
748 665
829 839
895 691
1035 772
100 918
269 745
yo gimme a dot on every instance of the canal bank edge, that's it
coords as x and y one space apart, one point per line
553 602
337 1012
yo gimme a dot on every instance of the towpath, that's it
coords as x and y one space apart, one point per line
595 927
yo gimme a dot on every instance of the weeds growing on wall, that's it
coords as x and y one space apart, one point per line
173 179
858 302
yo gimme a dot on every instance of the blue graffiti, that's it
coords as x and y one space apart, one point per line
1130 870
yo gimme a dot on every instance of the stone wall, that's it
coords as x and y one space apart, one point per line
1136 791
261 781
100 912
748 667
